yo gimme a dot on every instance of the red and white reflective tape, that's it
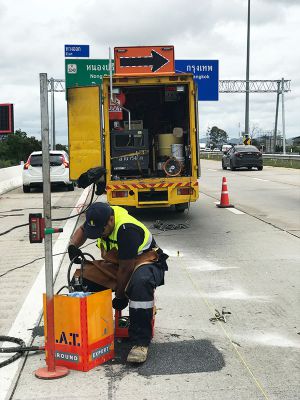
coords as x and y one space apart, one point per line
151 185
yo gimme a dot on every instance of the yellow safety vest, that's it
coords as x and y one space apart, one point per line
122 217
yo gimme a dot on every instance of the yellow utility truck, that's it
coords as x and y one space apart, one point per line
142 128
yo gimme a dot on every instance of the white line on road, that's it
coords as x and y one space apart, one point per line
209 169
259 179
31 310
235 211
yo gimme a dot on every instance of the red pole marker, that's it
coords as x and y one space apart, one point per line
224 202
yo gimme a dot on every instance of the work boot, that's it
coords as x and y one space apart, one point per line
138 354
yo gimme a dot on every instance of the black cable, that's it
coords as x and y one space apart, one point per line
40 258
55 219
19 351
11 215
14 227
81 212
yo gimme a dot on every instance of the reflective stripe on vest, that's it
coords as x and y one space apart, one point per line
122 217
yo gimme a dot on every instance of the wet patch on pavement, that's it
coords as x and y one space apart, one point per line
37 331
180 357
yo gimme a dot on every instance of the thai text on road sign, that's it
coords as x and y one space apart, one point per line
206 74
75 50
144 60
85 72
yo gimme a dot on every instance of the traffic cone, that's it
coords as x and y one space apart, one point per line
224 202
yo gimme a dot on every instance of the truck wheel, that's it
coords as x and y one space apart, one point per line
223 165
71 187
231 166
26 189
260 168
181 207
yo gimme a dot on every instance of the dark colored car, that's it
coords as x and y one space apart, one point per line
242 156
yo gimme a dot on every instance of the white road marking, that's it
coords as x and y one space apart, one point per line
210 169
235 211
31 311
263 180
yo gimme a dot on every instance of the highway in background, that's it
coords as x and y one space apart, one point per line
243 260
272 195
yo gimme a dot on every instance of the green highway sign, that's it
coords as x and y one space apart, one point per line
85 72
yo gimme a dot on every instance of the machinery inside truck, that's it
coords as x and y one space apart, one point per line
149 134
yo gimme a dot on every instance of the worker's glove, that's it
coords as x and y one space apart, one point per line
120 304
75 254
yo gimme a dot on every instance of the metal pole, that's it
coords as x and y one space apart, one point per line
283 115
52 371
276 118
47 216
52 118
110 76
247 74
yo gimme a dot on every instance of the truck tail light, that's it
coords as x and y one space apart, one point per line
185 191
120 193
238 154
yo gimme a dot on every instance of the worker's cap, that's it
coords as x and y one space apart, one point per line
97 216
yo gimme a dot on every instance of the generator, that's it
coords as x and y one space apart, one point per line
129 151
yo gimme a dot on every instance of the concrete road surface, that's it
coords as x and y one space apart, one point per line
244 261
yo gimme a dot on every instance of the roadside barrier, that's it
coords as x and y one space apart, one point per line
10 178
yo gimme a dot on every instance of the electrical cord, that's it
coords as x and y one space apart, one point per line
19 350
13 228
80 280
40 258
28 208
55 219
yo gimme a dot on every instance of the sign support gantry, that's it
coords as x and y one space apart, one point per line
225 86
279 86
255 86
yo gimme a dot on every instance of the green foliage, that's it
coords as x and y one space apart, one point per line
217 136
61 147
17 147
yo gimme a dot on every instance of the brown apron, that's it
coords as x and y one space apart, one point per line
104 272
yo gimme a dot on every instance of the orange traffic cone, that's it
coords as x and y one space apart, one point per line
224 202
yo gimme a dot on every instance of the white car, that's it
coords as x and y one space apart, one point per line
59 170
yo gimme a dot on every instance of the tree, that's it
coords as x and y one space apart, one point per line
17 147
61 147
217 136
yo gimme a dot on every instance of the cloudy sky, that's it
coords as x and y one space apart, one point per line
34 32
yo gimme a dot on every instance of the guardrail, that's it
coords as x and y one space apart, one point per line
274 160
288 156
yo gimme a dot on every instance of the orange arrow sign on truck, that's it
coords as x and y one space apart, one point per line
144 60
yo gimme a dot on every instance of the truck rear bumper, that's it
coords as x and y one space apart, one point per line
148 195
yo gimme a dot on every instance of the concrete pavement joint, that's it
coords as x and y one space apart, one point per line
259 219
211 309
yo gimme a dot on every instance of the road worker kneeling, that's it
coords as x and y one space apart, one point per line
132 265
